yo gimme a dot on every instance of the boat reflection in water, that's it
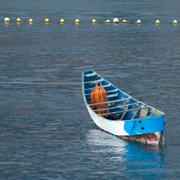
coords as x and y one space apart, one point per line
125 159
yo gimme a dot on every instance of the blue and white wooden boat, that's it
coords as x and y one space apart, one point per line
124 115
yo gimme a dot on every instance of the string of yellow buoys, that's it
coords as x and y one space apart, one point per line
115 20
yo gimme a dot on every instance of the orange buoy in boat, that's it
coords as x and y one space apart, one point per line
103 98
95 96
103 93
98 95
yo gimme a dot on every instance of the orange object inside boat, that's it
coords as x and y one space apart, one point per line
98 95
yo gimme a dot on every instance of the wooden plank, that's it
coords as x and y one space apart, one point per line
107 85
106 102
112 95
114 90
119 106
90 74
98 80
128 110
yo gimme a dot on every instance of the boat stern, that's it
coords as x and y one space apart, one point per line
148 130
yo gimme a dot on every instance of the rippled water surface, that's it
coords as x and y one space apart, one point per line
45 129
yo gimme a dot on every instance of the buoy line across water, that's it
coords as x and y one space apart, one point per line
77 21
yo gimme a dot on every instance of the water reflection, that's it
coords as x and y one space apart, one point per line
127 156
103 142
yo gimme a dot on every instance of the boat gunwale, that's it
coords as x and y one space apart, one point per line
120 120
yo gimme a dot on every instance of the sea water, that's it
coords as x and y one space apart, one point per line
45 129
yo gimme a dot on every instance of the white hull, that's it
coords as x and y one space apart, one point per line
113 127
117 128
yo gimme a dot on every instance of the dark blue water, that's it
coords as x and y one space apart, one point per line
45 130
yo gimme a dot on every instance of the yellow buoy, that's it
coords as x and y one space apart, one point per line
175 21
62 21
138 21
157 21
77 21
124 21
107 21
6 19
18 20
18 23
46 20
115 20
93 21
31 21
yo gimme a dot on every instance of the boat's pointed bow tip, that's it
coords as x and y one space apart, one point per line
87 71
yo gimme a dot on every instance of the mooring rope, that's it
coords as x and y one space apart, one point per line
39 83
